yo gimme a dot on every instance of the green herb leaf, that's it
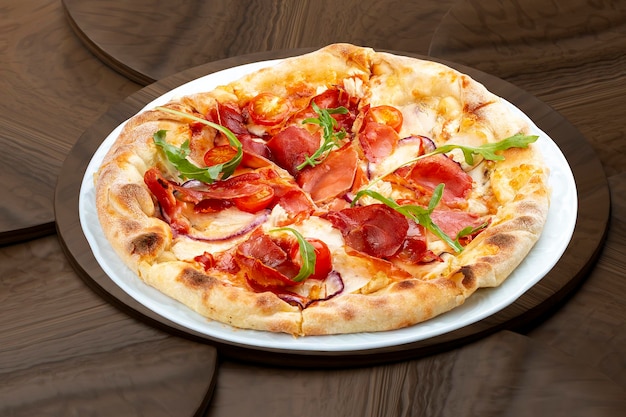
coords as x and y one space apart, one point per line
331 138
178 156
488 150
307 254
418 214
469 230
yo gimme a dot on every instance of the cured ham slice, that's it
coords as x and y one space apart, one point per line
428 173
290 147
453 221
333 177
378 141
375 229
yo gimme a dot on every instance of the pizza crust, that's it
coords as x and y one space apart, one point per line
437 101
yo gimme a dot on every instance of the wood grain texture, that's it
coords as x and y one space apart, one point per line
592 325
52 89
504 374
148 43
569 53
64 351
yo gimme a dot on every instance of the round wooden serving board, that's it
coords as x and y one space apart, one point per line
531 307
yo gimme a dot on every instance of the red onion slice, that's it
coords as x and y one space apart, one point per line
248 224
334 286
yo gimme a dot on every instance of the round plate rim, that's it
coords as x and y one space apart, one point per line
85 266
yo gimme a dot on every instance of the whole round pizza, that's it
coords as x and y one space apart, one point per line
345 190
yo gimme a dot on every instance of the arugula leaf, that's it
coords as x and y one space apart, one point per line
469 230
178 156
488 150
331 138
418 214
307 254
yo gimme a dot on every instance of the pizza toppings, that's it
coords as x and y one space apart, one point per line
331 137
178 156
386 115
378 141
374 229
420 215
290 147
428 173
326 191
268 109
333 177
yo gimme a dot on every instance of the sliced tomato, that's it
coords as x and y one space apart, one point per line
323 259
257 201
219 155
386 115
268 109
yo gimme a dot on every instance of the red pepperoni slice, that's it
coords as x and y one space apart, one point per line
376 230
378 141
429 172
290 146
333 177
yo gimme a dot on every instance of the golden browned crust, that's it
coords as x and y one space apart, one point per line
463 112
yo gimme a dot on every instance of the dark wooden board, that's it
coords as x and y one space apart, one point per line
594 205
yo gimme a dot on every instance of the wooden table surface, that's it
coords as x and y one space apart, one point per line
66 350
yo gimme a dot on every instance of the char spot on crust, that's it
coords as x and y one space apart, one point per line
469 277
406 285
134 195
528 223
195 279
267 302
130 226
348 313
502 240
146 244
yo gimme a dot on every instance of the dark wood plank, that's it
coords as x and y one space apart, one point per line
65 351
52 89
568 53
504 374
592 324
147 40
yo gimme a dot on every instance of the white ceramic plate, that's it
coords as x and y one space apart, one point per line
485 302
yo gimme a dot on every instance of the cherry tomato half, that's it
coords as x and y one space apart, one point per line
386 115
219 155
268 109
257 201
323 260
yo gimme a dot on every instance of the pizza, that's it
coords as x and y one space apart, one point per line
340 191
